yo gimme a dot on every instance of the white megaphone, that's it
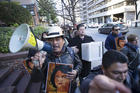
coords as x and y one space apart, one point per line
24 38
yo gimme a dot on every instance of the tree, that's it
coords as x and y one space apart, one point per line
70 7
137 12
12 13
47 8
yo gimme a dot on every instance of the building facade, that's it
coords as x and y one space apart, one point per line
104 11
84 12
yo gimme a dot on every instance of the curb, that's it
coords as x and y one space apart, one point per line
11 56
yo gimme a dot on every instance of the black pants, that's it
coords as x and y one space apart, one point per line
86 68
73 86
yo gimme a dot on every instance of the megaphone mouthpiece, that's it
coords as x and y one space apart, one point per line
47 47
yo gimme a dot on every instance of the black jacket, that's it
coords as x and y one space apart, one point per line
67 57
133 55
77 41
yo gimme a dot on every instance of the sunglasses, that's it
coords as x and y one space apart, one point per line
116 29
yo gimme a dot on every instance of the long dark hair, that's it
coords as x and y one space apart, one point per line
63 69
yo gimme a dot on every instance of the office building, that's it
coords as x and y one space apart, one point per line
104 11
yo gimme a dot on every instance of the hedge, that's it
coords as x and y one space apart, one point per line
6 33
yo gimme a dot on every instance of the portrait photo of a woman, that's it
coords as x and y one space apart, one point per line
59 80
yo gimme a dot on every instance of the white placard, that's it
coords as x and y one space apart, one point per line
92 51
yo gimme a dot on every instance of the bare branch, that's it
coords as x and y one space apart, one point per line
76 2
68 9
69 2
64 17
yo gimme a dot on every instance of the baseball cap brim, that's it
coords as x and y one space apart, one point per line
53 36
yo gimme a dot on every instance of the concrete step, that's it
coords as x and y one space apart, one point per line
11 56
9 89
5 72
12 79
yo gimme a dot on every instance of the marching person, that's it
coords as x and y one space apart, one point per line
61 53
76 43
104 84
110 42
114 66
131 51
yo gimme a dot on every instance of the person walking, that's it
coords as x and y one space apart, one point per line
114 66
61 53
111 40
131 51
76 43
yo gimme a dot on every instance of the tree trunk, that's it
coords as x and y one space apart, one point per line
74 21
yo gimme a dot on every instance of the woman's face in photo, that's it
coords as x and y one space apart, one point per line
60 79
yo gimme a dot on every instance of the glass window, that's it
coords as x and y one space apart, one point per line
105 25
110 25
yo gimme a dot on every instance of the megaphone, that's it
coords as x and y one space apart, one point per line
24 38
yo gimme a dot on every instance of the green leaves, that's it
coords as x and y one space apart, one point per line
11 13
47 8
38 30
5 35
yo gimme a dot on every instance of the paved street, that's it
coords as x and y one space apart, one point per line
93 32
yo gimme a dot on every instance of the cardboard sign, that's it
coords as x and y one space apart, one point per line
57 81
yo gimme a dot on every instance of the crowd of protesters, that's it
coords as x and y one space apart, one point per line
118 73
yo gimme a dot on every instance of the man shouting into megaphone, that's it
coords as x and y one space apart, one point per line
61 54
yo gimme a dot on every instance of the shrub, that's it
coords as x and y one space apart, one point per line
15 25
38 30
5 35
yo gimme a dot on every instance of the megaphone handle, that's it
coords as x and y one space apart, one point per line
36 43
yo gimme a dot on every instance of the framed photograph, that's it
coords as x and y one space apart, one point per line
57 81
